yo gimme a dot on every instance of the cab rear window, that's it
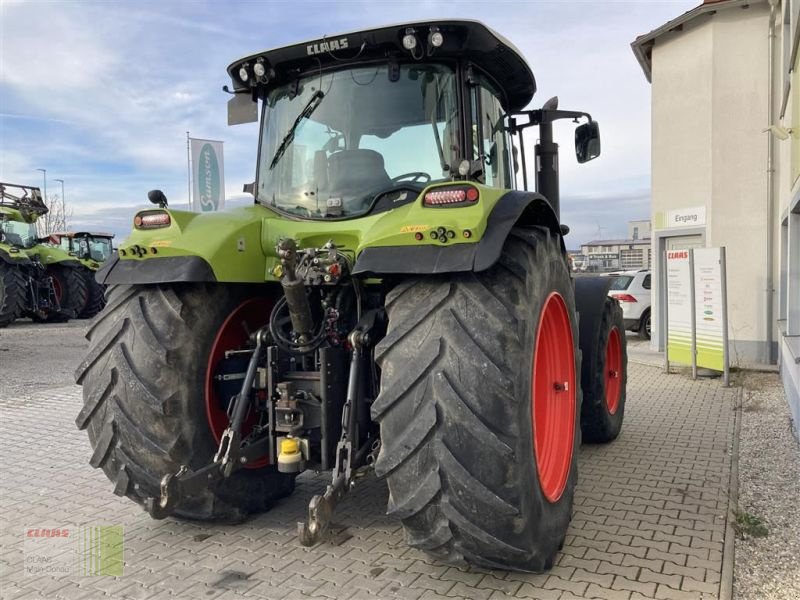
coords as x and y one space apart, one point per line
621 282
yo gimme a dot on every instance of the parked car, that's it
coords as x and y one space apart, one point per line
632 289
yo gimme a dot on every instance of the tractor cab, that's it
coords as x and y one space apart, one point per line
364 122
89 246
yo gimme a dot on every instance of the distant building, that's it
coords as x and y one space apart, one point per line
614 255
639 230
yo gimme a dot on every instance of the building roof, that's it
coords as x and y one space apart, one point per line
642 46
640 242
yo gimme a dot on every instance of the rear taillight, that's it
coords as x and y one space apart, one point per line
624 297
152 220
462 195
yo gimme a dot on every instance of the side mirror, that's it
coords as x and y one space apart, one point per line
157 197
587 141
249 188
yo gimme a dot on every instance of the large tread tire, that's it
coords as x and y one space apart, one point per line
95 299
143 390
598 423
74 291
455 410
13 292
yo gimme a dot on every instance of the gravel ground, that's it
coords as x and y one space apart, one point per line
36 357
767 568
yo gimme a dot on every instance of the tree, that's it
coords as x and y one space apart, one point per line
58 217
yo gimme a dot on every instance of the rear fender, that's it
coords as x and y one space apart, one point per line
512 209
195 247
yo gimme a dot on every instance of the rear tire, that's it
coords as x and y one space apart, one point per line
460 445
144 387
12 293
71 291
604 378
95 299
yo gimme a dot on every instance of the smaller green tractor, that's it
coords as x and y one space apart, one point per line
92 249
36 279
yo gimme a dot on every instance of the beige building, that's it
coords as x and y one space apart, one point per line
726 165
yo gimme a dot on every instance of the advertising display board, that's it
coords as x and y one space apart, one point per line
697 330
709 308
679 307
208 181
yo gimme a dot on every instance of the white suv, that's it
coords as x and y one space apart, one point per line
632 289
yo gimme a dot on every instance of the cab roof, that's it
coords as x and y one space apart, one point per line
462 39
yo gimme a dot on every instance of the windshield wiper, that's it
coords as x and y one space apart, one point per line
308 109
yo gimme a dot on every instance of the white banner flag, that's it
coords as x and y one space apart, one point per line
208 175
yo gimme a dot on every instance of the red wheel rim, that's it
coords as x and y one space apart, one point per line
57 289
613 374
553 397
245 319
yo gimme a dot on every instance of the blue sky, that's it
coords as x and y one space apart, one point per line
101 94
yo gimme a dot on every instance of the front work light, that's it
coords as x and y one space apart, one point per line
259 69
243 74
409 40
435 37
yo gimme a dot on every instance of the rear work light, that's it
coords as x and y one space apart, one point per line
152 220
462 195
624 297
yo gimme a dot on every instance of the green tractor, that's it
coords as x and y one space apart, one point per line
92 249
391 301
36 280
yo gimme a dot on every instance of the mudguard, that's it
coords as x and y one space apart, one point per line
590 298
513 209
155 270
14 258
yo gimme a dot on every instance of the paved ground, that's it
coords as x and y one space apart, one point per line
649 520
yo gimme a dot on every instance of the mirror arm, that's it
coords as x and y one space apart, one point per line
544 116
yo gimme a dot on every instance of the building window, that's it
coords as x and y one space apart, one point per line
636 233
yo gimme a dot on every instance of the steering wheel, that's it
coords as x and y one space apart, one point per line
414 176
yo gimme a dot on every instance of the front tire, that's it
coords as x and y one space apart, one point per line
479 408
144 384
644 325
604 378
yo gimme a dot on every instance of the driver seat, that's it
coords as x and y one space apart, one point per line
354 172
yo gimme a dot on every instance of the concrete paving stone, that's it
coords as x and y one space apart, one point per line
400 592
557 583
604 593
664 592
527 590
462 575
427 582
692 585
675 557
607 568
623 583
508 586
650 576
600 579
